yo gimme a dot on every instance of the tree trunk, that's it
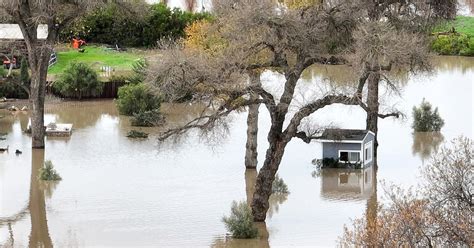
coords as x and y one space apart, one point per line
266 175
252 128
38 91
250 181
373 106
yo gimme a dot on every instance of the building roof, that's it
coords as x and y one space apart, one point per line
344 135
13 32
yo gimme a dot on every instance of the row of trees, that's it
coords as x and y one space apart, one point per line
222 59
141 25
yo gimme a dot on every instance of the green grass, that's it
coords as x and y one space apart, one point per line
462 24
96 56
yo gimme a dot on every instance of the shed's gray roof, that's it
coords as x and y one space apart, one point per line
344 134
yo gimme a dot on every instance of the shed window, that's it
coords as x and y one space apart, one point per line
349 156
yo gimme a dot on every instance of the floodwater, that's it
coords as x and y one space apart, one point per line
121 192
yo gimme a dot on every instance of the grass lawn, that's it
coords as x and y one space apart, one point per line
96 56
462 24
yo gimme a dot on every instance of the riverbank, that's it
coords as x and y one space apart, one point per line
455 37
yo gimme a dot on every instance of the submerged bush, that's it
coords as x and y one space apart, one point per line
425 119
137 98
79 80
150 118
134 134
279 186
240 221
48 173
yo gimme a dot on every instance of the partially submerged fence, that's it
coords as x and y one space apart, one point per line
110 90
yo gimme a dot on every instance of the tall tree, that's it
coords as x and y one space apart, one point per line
258 35
265 36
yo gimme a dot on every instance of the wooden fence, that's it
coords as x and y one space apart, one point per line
110 90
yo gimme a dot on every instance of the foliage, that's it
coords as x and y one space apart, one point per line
437 215
79 80
240 221
137 98
149 118
134 134
425 119
279 186
296 4
9 88
330 163
96 55
139 69
137 28
461 42
454 44
200 36
48 173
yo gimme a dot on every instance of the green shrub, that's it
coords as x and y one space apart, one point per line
469 50
425 119
48 173
240 221
79 80
141 25
279 186
150 118
137 98
453 44
139 69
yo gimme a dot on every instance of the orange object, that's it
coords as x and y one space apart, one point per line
77 43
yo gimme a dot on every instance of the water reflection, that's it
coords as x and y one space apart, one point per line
425 143
81 114
39 235
347 184
8 119
260 242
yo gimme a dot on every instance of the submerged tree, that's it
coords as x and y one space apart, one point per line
425 119
258 35
248 36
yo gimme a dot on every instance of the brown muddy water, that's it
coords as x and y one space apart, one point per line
133 193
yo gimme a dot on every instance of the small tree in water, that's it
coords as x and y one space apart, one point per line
48 173
425 119
240 221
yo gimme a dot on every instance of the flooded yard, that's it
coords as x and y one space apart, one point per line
122 192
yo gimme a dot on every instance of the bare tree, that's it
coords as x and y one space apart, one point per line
440 214
260 37
265 36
